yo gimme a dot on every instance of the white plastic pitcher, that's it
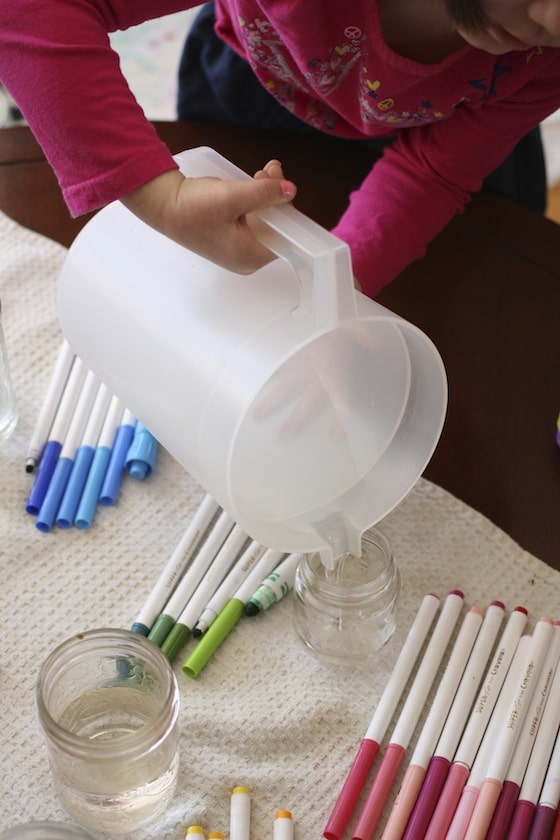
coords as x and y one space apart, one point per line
307 410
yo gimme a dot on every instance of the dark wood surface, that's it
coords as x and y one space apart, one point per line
487 293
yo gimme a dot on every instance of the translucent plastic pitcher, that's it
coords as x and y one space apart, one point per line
306 409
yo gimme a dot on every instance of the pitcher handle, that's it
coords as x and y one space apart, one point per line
320 259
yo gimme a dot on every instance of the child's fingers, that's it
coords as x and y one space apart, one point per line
273 169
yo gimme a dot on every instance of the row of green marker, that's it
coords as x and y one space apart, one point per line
215 575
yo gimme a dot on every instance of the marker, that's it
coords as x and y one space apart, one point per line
369 746
408 718
439 760
464 754
505 805
230 614
98 468
283 826
65 462
49 406
427 740
509 731
57 434
556 830
215 835
209 567
463 812
195 832
275 585
547 809
228 587
83 459
240 813
115 467
142 453
175 566
537 765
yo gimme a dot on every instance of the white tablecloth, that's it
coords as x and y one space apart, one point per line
262 713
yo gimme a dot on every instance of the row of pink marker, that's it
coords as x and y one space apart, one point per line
486 763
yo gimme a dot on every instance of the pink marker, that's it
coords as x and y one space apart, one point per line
408 718
547 809
416 770
505 806
469 792
510 731
537 765
454 723
473 729
381 719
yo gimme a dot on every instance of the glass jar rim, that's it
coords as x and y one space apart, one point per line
131 744
334 590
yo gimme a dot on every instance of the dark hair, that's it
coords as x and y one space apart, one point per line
466 13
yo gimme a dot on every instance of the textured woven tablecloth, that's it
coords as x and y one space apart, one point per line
263 712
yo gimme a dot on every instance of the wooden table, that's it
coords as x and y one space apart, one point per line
487 293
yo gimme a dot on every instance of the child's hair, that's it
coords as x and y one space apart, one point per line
467 13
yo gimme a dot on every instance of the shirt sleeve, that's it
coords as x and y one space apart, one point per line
57 63
429 175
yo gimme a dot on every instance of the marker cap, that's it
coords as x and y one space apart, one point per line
161 629
115 467
213 637
90 493
142 453
43 476
175 641
53 496
195 832
75 486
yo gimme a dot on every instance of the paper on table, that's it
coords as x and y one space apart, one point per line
263 713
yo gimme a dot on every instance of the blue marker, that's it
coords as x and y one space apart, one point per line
83 459
63 468
115 467
58 432
96 475
141 456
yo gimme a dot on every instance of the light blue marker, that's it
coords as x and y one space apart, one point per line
83 459
63 468
115 467
57 434
142 454
96 475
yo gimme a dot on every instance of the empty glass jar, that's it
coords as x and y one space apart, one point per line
346 614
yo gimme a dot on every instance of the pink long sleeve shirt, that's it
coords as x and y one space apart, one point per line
455 121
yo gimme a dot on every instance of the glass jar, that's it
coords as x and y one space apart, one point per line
8 408
44 831
346 614
108 704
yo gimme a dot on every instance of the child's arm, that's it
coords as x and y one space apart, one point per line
430 173
56 59
208 215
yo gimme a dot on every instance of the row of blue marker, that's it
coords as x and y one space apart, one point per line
83 443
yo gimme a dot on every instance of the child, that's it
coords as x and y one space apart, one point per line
443 90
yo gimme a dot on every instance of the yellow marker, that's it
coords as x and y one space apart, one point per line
240 813
283 826
195 832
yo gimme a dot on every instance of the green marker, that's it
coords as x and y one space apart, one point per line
214 636
228 617
175 640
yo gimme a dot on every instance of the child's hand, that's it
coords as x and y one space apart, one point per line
209 216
